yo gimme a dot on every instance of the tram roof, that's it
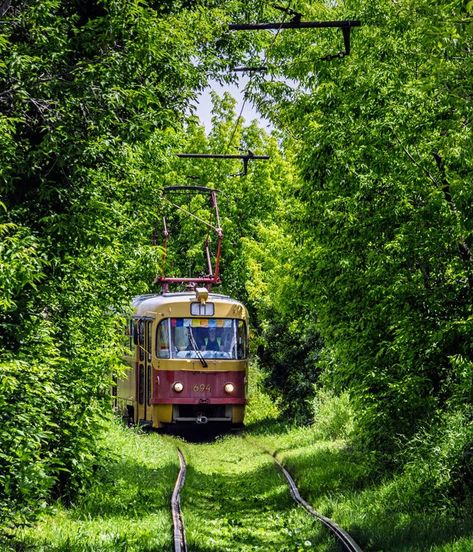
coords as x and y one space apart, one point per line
152 301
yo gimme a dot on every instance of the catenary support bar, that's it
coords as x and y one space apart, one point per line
293 25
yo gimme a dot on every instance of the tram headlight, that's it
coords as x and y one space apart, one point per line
229 388
178 386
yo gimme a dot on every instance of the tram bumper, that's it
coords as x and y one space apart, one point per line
191 397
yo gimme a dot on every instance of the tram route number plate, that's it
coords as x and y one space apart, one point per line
201 388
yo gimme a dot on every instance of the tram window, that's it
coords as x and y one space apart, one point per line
141 339
129 335
149 346
219 338
141 384
130 331
162 339
242 345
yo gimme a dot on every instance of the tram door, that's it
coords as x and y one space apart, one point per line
144 369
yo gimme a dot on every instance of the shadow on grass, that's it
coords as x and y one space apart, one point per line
127 491
412 532
268 426
200 434
326 470
128 487
248 510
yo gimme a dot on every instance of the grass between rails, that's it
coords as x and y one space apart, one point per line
235 498
128 508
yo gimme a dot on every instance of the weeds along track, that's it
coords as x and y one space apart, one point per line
346 541
236 498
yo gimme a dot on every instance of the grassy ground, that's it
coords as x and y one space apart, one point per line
333 478
382 515
235 499
128 510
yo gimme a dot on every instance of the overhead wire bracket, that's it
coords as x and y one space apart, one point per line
297 23
296 16
244 157
250 69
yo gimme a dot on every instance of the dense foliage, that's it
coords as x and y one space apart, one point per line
353 248
93 99
384 144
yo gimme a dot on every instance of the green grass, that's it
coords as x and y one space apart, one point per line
235 498
383 514
127 510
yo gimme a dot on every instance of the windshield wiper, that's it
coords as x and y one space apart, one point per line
196 349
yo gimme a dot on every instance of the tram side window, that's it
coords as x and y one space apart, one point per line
149 347
162 339
242 344
141 339
141 384
129 335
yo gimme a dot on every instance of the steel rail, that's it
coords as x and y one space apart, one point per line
342 536
180 544
346 540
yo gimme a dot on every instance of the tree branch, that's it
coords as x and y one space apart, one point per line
416 163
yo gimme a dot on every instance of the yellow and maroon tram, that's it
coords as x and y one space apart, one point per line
188 359
188 362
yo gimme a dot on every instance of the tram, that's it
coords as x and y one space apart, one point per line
188 361
188 350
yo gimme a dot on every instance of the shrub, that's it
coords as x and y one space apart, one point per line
28 462
333 414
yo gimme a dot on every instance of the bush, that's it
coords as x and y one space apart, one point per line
289 359
333 415
28 462
438 466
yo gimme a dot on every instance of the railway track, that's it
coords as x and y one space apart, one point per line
180 544
347 543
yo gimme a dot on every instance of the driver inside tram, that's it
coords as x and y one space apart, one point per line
211 344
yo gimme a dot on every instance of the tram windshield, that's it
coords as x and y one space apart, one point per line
218 338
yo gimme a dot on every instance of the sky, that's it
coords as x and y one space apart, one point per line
204 104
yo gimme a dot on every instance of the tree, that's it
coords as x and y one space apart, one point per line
384 145
94 96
